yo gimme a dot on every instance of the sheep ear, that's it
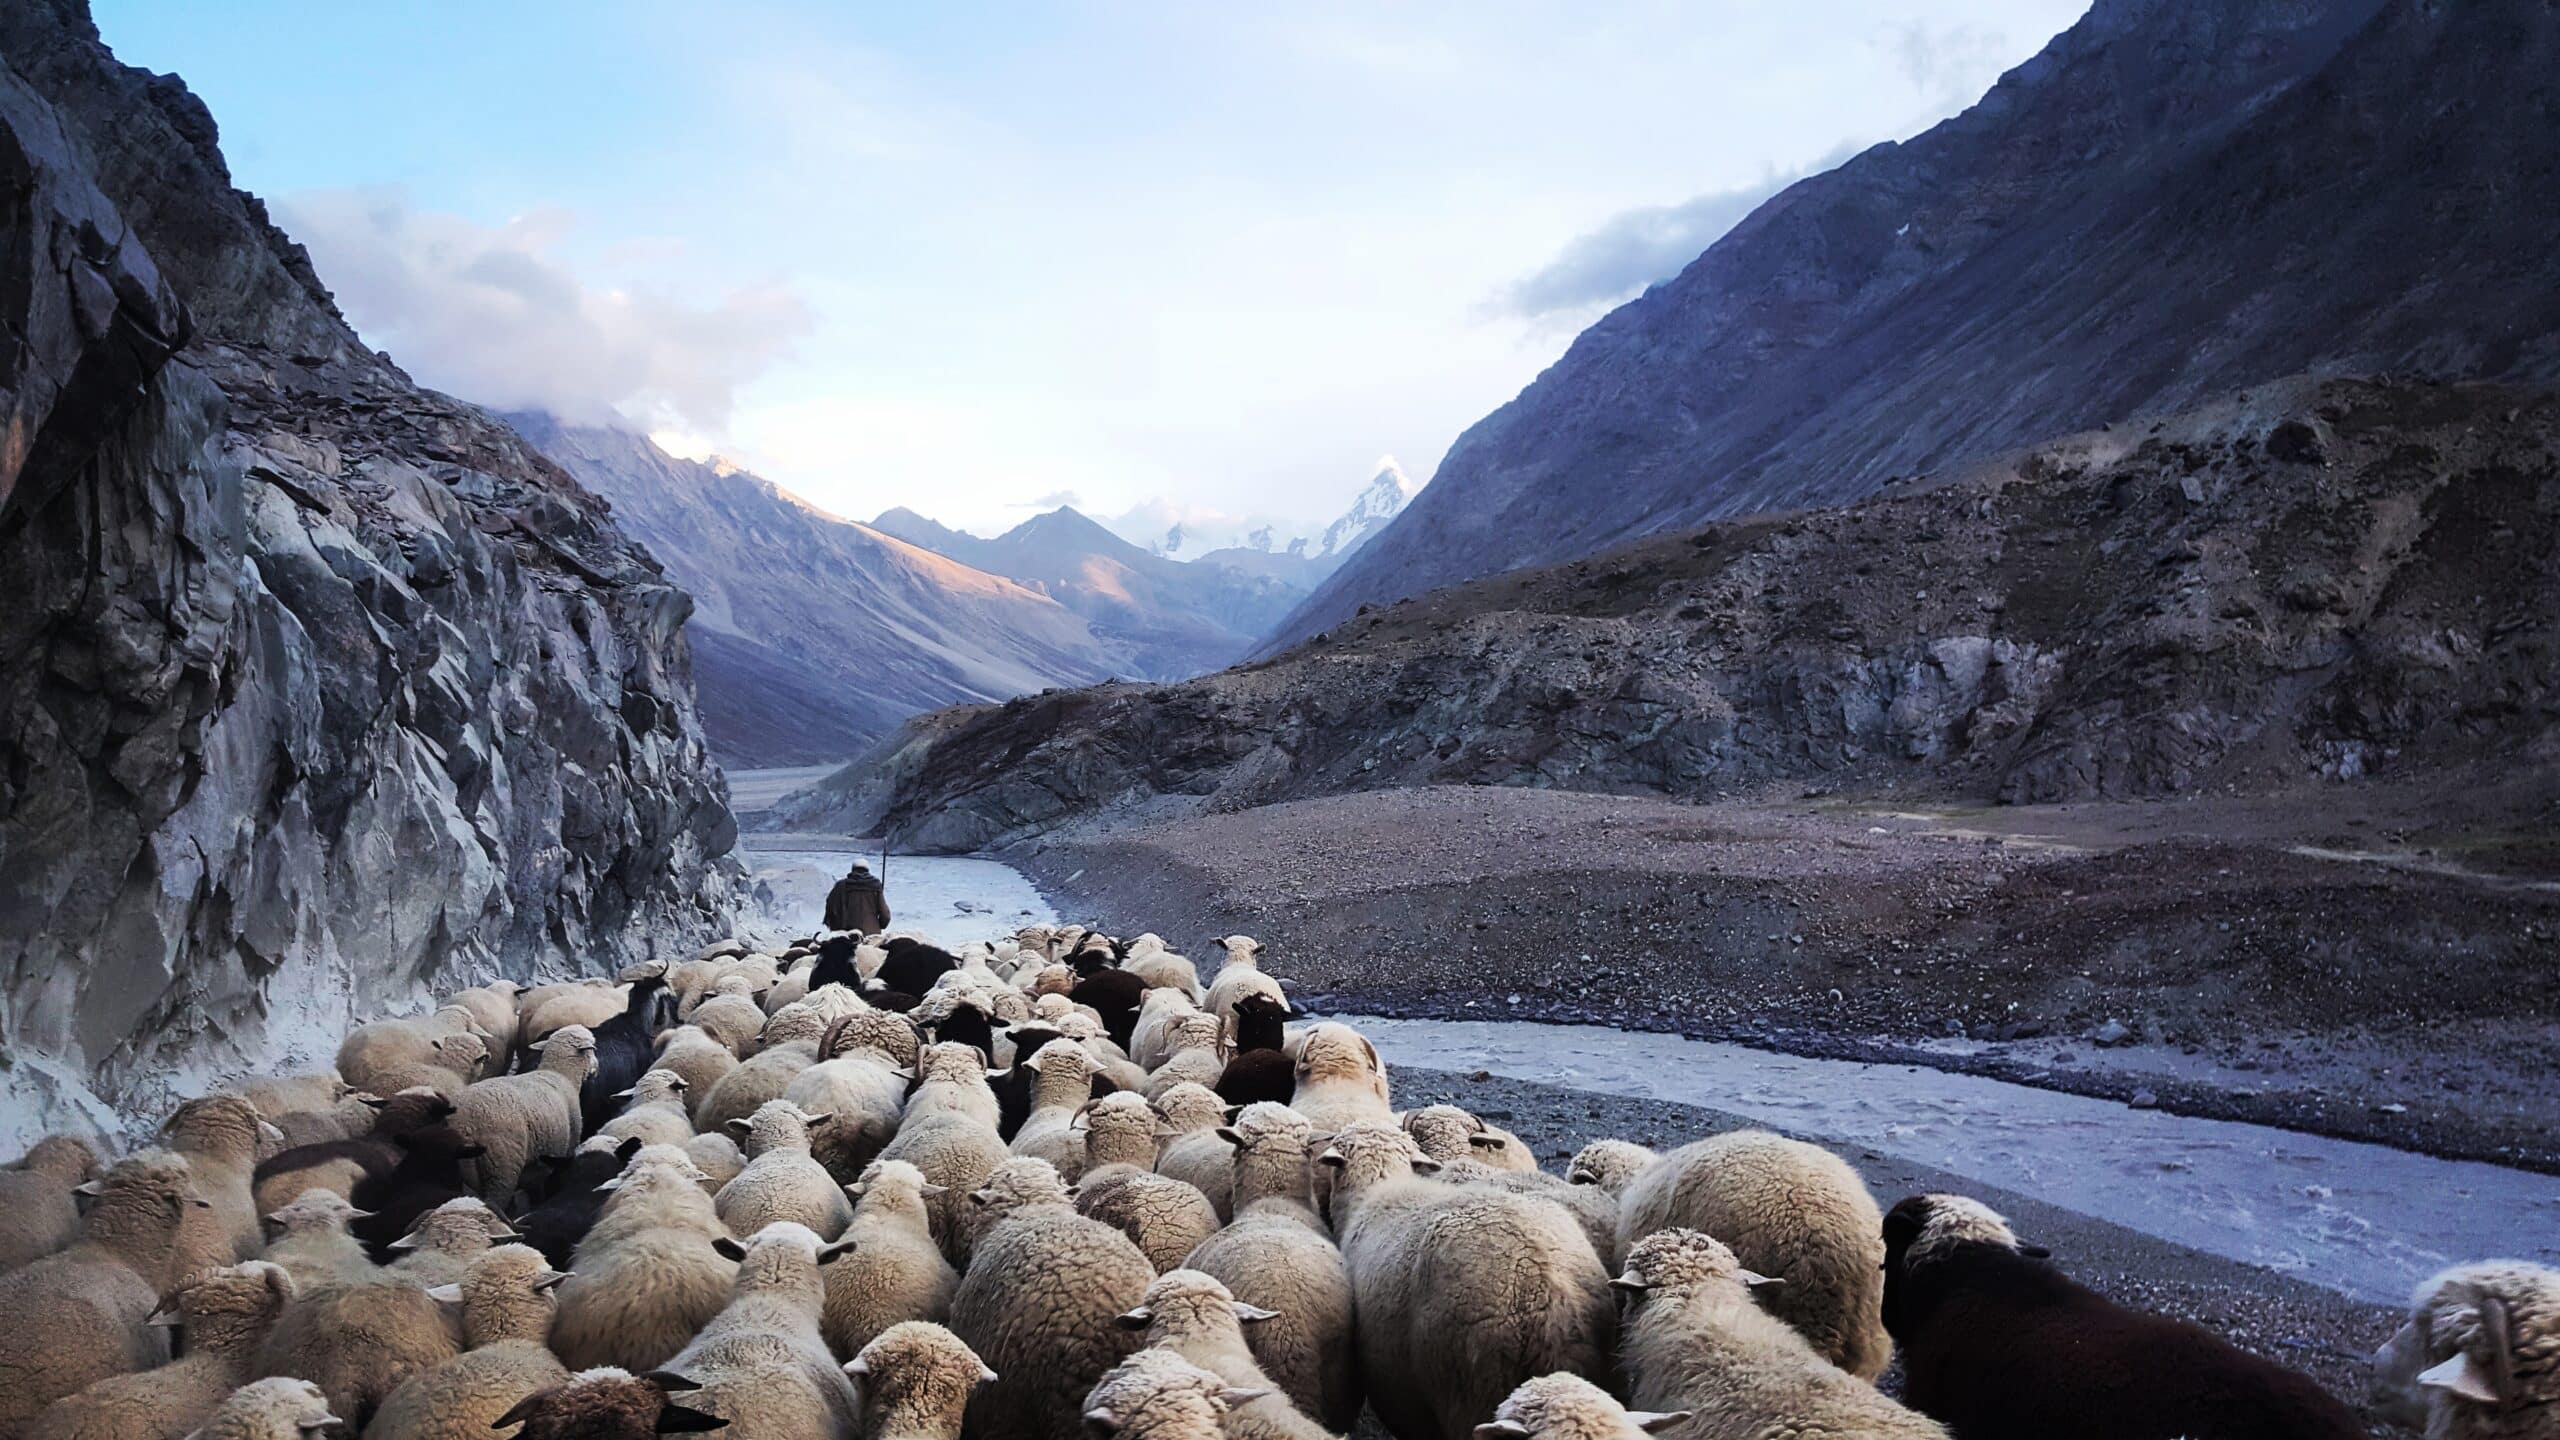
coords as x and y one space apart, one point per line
830 1254
1231 1135
1251 1313
1758 1281
2462 1375
931 1191
740 1126
1334 1158
814 1121
2035 1252
522 1409
858 1366
1631 1283
1487 1142
626 1094
445 1294
1425 1165
405 1242
1138 1319
986 1376
671 1383
1236 1399
89 1187
676 1419
729 1248
549 1280
469 1152
379 1103
1101 1420
1655 1421
1501 1430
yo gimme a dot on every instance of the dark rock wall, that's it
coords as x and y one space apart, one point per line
317 689
2310 584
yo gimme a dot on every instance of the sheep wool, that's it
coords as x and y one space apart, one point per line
506 1312
1063 1083
219 1135
313 1244
761 1362
1697 1340
1278 1256
1164 1217
2479 1358
1039 1303
38 1214
608 1403
441 1247
896 1272
1611 1165
1157 1395
754 1083
913 1382
277 1408
1789 1210
1342 1082
1461 1294
862 1092
82 1313
648 1274
1196 1317
515 1118
783 1180
1449 1134
653 1111
1568 1407
223 1317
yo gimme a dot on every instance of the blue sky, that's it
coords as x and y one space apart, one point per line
978 258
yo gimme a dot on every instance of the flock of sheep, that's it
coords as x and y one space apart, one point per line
1054 1187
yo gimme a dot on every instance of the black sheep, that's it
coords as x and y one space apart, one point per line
968 1025
429 1174
557 1225
913 966
1997 1344
1114 994
1015 1086
896 1001
836 965
1260 1069
623 1050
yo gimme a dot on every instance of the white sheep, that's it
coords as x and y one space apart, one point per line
1568 1407
755 1082
517 1118
914 1381
546 1010
700 1060
313 1241
220 1136
1792 1211
1696 1339
731 1016
951 1079
277 1408
1065 1083
82 1313
2479 1358
493 1009
1150 1039
1164 1217
1452 1135
761 1362
648 1275
1241 976
452 1061
956 1152
1595 1209
1197 1054
382 1046
1279 1256
1342 1082
1157 1395
359 1341
506 1313
861 1089
783 1179
222 1317
1461 1294
717 1157
1162 969
440 1248
653 1110
896 1272
1196 1317
1609 1165
1039 1302
38 1214
1119 1129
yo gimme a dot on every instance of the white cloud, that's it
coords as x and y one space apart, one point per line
1641 247
495 316
1950 64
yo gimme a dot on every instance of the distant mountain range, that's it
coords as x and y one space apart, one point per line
813 636
2171 200
1178 533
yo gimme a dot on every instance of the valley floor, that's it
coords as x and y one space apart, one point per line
2328 964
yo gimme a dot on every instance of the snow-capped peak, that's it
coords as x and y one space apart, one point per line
1181 532
1388 492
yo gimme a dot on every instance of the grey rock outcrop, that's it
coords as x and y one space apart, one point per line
2243 596
2174 199
317 689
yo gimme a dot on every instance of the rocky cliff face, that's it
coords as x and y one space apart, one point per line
815 637
2313 583
316 689
2177 198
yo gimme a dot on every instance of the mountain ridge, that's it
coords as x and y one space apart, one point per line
2163 204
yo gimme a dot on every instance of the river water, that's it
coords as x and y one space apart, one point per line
2360 1219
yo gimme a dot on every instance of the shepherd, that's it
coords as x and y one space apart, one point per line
858 902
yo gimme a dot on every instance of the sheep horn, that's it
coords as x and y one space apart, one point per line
1501 1430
